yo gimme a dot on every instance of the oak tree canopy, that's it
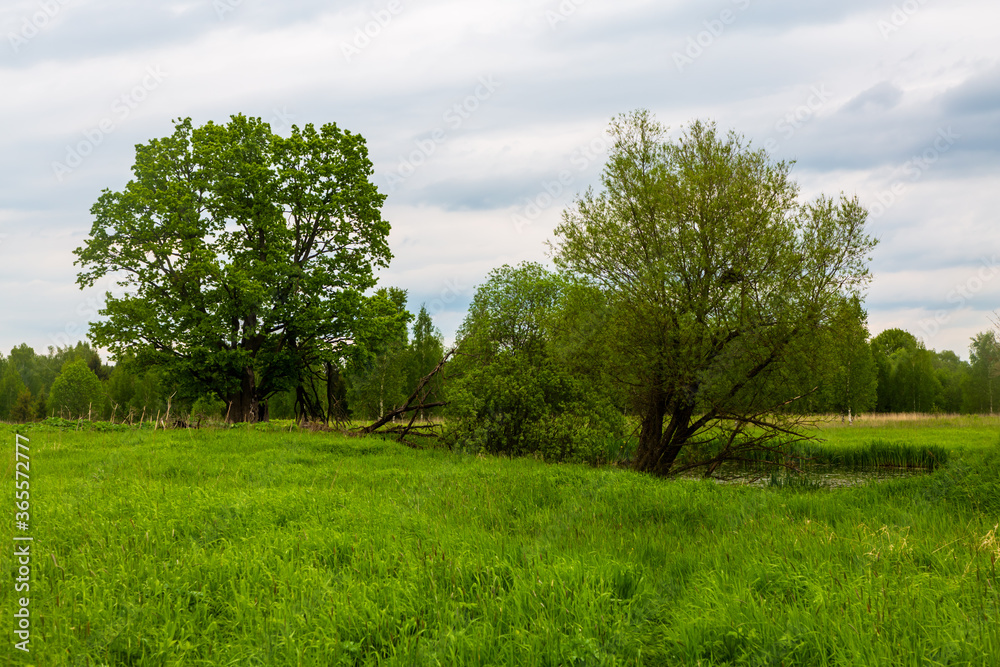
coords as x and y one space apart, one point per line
245 258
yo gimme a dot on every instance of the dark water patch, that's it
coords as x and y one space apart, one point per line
816 476
833 477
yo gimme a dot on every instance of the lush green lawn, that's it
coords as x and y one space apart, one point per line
229 547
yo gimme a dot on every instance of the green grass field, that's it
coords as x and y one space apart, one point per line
237 547
956 432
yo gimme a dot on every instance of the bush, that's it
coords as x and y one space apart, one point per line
516 407
77 391
207 408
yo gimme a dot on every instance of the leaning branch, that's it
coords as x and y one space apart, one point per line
414 402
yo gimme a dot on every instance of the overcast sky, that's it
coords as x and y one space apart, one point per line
485 119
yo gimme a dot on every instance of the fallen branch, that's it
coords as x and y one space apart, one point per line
418 396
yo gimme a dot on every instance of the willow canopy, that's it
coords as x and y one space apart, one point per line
720 281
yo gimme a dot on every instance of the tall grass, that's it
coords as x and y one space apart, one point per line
248 547
877 453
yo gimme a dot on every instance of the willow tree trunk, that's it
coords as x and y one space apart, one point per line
658 448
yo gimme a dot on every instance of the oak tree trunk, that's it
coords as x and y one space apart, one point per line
244 405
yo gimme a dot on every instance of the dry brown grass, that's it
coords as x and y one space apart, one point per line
909 419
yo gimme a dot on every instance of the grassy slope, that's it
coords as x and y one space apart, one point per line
234 547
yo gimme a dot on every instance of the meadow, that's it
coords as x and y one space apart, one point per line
267 546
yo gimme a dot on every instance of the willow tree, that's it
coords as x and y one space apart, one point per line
719 280
245 258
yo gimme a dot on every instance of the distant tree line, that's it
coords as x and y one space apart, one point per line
74 382
891 372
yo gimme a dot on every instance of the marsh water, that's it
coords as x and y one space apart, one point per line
818 476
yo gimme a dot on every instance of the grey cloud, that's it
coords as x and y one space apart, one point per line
100 28
686 19
455 194
603 60
877 128
980 95
880 97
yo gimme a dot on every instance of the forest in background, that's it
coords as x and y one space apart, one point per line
76 383
890 372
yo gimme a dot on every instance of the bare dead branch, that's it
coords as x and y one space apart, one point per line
418 396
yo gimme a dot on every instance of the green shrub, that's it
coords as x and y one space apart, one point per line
207 408
519 407
77 391
23 410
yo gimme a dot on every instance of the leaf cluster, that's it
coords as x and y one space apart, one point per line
512 391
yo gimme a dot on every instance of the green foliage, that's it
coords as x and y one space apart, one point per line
983 393
77 392
853 384
907 377
377 382
24 409
135 392
207 408
34 372
518 406
892 341
425 352
11 387
719 283
25 369
246 256
511 394
386 379
59 356
952 374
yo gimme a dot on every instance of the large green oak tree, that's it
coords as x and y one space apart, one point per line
245 258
